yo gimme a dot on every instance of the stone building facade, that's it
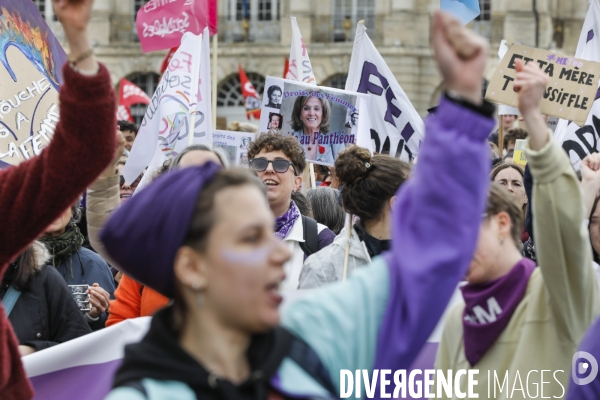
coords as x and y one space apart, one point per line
257 36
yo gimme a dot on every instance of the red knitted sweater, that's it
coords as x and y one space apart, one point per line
36 192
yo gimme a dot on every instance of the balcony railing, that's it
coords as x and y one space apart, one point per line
326 29
248 31
122 29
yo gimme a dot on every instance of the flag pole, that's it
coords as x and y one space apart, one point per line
347 252
214 80
500 137
313 183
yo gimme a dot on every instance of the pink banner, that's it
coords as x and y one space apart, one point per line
162 23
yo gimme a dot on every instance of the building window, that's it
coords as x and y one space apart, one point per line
45 8
137 4
41 5
148 82
251 21
341 25
230 92
347 13
337 81
483 22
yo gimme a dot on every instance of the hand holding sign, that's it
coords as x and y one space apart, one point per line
461 56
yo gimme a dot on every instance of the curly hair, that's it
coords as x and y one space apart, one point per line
513 135
368 182
276 141
301 101
127 126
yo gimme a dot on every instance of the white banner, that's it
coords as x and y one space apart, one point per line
577 141
177 104
300 68
395 124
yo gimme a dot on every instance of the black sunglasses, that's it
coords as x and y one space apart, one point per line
134 184
279 165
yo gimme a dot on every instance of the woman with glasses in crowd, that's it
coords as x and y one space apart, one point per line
278 161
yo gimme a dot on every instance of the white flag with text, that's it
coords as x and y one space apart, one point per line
577 141
300 68
395 124
181 100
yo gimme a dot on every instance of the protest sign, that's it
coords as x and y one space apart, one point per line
251 99
519 156
571 88
30 75
161 24
395 126
235 144
299 68
129 94
180 104
577 141
324 120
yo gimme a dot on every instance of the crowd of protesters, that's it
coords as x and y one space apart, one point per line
207 249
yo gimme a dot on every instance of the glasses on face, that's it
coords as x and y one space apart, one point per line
279 165
133 185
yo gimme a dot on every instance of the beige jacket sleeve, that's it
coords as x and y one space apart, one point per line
562 241
102 200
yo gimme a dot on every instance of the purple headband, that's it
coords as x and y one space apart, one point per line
143 235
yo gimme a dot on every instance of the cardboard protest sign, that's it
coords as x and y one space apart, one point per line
161 24
395 125
519 156
577 141
571 88
324 120
235 144
30 76
180 106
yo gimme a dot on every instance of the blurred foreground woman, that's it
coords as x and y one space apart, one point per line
204 237
519 321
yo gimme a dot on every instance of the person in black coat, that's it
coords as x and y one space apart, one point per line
45 313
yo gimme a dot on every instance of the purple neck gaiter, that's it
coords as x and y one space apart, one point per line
489 308
284 224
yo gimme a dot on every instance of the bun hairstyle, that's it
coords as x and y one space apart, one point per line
368 182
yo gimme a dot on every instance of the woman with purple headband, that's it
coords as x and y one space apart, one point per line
204 237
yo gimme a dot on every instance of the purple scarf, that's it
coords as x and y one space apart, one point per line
489 308
284 223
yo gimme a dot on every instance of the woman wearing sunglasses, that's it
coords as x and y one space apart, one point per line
279 163
210 246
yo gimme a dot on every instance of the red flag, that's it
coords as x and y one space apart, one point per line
129 94
167 60
251 99
124 114
286 67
